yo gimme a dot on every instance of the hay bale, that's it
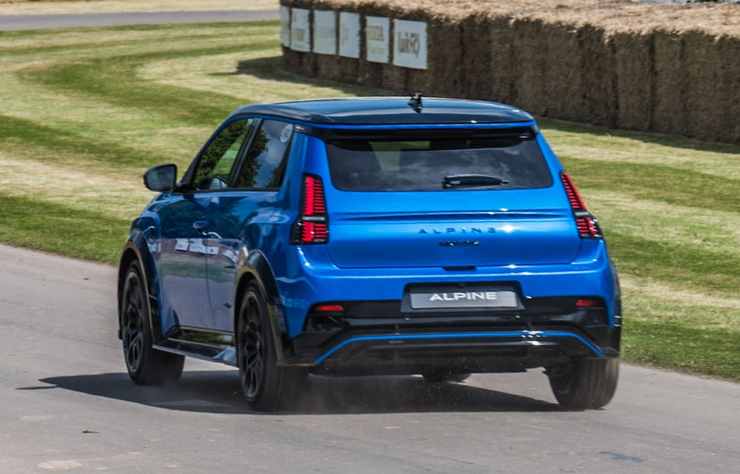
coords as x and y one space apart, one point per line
531 44
606 63
711 68
563 79
598 77
444 74
728 87
702 69
669 99
634 56
502 82
477 57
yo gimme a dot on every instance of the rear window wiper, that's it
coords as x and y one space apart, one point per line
471 181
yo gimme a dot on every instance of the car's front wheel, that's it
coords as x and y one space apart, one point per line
585 383
145 365
266 386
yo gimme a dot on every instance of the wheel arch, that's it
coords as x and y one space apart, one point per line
256 269
136 250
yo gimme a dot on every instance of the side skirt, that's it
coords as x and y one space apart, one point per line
204 344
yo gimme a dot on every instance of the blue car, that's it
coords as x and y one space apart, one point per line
439 237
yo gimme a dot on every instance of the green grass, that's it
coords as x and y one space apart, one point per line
45 226
86 111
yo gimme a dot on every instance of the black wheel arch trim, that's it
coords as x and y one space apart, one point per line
255 268
136 247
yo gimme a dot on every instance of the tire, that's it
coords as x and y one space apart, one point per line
266 386
586 383
442 376
145 365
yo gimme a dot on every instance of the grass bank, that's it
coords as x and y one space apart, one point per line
85 112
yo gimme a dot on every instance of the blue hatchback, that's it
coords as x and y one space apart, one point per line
439 237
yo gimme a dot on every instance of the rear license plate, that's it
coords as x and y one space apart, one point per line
462 298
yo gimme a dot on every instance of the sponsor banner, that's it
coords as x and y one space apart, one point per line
377 38
324 32
410 44
349 35
285 26
300 33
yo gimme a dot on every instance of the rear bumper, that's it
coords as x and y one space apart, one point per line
456 341
377 334
316 281
412 348
466 351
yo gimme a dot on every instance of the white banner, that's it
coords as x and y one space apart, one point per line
324 32
377 38
300 34
285 26
410 44
349 35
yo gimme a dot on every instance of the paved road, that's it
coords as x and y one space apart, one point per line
32 22
66 405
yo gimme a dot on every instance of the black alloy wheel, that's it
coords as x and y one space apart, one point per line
133 324
145 365
251 348
265 384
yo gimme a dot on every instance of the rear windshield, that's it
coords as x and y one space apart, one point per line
427 164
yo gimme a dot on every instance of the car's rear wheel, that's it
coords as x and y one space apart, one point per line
585 383
145 365
442 376
265 385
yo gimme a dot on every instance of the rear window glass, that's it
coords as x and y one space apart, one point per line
425 165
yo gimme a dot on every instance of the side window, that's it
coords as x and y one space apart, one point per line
265 161
217 161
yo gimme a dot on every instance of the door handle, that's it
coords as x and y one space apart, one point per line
200 227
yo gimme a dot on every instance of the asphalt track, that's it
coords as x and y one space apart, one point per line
66 405
33 22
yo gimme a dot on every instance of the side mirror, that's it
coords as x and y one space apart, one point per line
162 178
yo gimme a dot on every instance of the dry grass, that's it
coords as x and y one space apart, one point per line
614 15
73 186
46 7
658 290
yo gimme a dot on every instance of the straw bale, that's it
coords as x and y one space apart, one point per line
669 98
634 56
618 63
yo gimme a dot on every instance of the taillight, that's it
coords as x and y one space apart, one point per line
588 226
312 226
582 303
328 308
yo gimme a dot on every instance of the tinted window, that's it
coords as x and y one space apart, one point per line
422 165
217 161
264 163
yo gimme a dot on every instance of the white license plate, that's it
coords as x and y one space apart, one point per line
464 298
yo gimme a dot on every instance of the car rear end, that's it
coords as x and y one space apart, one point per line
456 248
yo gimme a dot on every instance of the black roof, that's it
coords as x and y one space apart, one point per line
390 111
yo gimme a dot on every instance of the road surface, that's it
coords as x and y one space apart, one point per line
32 22
66 405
